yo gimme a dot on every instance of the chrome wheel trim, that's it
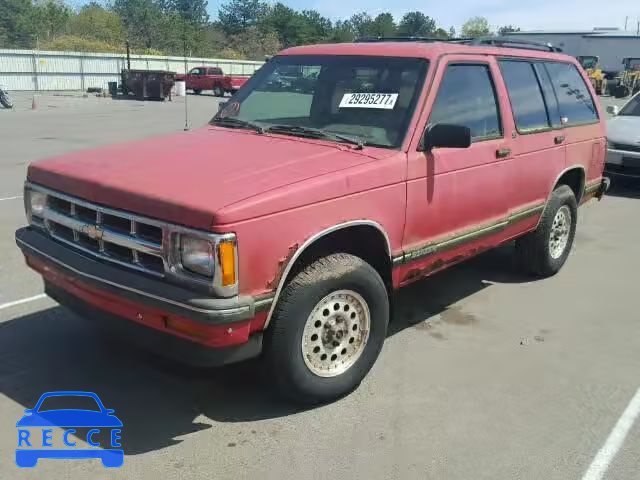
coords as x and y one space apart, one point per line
336 333
560 231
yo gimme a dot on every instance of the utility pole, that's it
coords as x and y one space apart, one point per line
626 21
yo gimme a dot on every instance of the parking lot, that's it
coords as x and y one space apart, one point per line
486 374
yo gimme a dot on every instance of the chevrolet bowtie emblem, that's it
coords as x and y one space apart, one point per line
92 231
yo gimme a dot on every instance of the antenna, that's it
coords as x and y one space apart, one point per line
186 68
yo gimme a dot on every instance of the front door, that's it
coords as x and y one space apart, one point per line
457 198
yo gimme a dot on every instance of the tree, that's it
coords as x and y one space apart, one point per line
50 18
342 32
318 28
142 20
507 29
476 27
194 11
441 33
238 15
361 24
384 26
416 24
286 23
452 32
95 23
16 23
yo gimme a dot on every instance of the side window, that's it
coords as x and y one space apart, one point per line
549 95
215 71
574 99
527 102
467 97
196 71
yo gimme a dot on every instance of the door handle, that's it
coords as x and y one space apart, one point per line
503 152
559 139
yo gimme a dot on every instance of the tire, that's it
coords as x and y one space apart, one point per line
5 100
325 290
197 91
218 91
536 252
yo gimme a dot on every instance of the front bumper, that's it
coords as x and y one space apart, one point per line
106 292
623 163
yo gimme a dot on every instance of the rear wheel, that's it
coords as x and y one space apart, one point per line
197 91
328 329
544 251
218 91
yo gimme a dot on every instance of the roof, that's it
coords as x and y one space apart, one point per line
417 49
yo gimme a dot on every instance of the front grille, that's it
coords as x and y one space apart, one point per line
624 147
110 235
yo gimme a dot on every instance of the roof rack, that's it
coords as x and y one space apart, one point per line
515 43
494 41
411 39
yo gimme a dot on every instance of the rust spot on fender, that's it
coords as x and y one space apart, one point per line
282 264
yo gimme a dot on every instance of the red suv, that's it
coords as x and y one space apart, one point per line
284 226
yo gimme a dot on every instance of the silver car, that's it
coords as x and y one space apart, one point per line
623 134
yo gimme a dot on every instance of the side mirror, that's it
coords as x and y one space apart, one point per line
613 109
221 106
445 135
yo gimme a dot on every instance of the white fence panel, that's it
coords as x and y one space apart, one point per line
43 70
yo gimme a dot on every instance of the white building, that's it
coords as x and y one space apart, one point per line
610 44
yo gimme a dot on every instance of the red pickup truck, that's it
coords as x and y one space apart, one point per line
212 78
283 227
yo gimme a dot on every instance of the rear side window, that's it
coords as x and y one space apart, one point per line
467 97
525 94
574 99
215 71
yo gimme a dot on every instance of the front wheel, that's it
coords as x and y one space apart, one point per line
544 251
328 329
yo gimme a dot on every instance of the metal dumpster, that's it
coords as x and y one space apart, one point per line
152 84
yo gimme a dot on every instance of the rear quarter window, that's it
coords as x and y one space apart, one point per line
574 99
525 95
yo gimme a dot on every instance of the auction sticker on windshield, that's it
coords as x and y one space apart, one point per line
385 101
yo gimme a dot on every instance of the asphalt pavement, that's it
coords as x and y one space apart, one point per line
486 374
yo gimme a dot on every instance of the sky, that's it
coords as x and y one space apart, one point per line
528 15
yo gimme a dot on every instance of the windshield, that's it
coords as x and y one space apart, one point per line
632 108
66 402
368 99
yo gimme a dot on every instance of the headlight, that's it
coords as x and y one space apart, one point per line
37 203
197 255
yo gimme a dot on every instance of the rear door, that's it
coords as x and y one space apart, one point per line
584 133
538 138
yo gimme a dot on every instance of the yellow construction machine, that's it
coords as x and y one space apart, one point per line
591 65
629 79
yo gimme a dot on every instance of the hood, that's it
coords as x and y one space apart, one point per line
624 129
185 178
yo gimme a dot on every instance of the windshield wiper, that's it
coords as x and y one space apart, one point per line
315 133
233 122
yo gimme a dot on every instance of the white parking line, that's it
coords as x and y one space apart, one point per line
10 198
603 459
24 300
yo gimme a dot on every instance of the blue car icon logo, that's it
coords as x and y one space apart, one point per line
35 432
